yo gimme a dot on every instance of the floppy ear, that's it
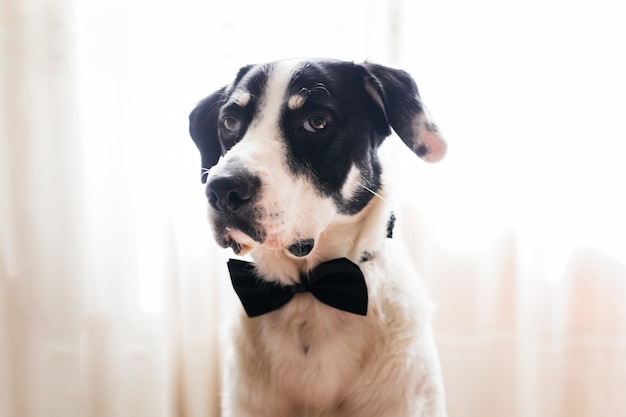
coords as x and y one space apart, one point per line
395 91
203 130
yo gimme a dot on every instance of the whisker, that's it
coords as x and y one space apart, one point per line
374 193
322 87
363 182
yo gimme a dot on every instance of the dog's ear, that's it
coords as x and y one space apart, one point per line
396 93
203 130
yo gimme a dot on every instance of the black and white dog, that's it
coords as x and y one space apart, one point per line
337 323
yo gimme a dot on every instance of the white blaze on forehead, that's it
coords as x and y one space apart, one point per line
263 138
276 89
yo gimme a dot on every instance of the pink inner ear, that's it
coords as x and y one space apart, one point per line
435 144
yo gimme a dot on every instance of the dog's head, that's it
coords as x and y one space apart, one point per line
291 147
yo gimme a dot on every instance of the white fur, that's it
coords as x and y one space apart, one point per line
308 359
242 98
296 101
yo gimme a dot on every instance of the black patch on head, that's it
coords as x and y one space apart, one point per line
354 128
391 223
206 121
250 81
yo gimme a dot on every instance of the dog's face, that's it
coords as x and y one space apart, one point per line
290 147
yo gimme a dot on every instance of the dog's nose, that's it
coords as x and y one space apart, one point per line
229 193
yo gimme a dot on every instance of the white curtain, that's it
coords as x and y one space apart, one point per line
111 288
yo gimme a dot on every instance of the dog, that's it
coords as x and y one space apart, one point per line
293 177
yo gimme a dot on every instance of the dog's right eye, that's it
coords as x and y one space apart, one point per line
315 124
230 124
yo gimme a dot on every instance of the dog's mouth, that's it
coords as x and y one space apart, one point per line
241 244
238 241
245 232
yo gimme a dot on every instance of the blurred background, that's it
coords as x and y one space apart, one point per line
112 291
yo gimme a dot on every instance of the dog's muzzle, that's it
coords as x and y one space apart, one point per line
233 197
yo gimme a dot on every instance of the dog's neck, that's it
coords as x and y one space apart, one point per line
352 237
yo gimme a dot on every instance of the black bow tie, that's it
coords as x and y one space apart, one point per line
338 283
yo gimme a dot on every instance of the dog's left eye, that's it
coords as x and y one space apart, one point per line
315 124
230 124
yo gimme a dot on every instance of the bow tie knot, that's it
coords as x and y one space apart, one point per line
338 283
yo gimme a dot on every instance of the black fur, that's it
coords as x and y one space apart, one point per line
336 92
203 129
205 121
402 103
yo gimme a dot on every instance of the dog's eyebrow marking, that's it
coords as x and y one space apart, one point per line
296 101
241 98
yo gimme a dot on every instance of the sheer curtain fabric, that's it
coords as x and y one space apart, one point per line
112 292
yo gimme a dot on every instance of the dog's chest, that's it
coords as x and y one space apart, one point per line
311 351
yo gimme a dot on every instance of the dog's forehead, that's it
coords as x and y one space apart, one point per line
288 81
